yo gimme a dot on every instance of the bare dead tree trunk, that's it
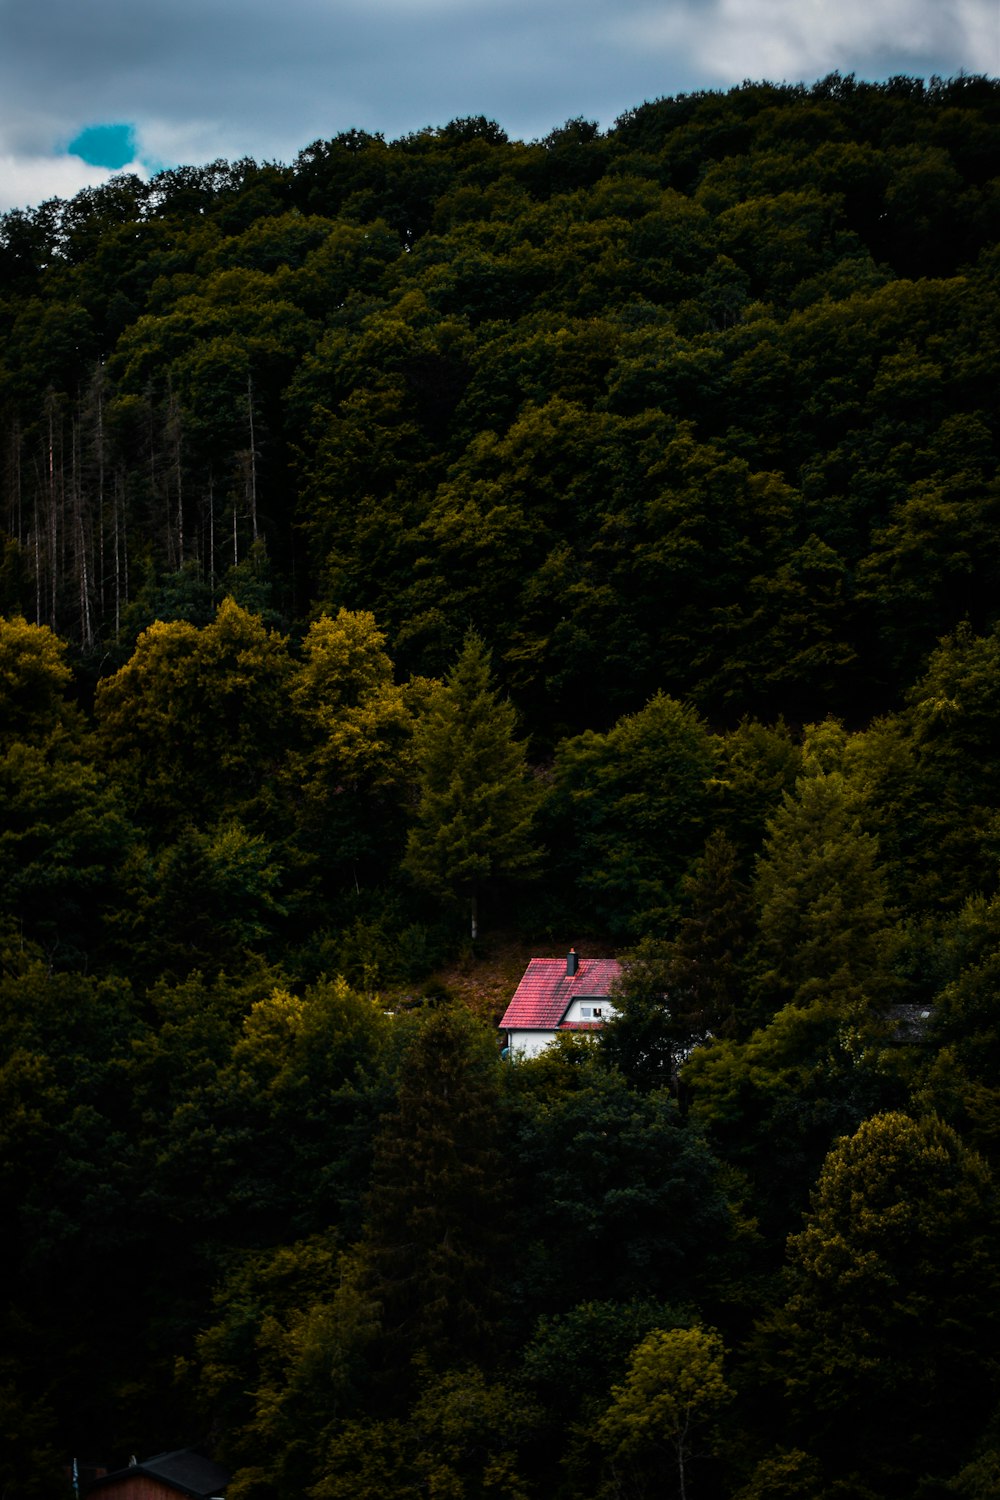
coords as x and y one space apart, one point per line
118 574
174 431
154 485
53 535
37 535
100 456
125 546
15 518
211 526
253 459
80 546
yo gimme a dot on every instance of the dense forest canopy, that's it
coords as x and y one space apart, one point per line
594 538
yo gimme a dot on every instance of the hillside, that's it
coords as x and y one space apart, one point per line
435 553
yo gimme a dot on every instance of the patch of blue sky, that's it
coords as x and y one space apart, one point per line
110 146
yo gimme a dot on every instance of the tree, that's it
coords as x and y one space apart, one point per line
34 684
773 1104
64 843
822 895
671 1398
476 800
460 1440
284 1361
197 720
350 777
677 994
612 1183
634 806
83 1263
758 763
948 803
208 900
884 1349
275 1120
437 1217
570 1364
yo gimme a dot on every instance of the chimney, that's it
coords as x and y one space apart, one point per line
571 962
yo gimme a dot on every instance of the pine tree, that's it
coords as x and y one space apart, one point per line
823 911
476 800
675 995
432 1252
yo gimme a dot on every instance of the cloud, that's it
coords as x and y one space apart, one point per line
802 39
201 79
31 180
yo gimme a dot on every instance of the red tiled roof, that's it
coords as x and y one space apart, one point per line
546 991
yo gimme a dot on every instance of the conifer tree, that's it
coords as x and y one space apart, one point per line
675 995
431 1253
822 896
476 801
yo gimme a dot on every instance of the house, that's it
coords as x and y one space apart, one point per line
183 1472
559 994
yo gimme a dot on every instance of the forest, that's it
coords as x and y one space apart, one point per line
443 551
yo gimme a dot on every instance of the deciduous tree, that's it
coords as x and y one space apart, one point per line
669 1402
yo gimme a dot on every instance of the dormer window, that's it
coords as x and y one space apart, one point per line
586 1012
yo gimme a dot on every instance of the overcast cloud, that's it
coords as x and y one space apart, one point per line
200 79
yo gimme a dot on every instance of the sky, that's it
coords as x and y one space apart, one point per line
88 87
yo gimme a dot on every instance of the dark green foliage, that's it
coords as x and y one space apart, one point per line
34 685
476 801
609 1185
773 1104
675 995
691 421
196 719
64 843
437 1219
632 807
885 1344
275 1108
821 898
731 353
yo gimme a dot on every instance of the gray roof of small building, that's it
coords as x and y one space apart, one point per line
184 1469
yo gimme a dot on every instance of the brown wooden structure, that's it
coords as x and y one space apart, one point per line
164 1477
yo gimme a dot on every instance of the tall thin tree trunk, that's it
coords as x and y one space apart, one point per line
125 545
37 534
100 487
80 537
211 526
175 439
253 460
53 534
118 574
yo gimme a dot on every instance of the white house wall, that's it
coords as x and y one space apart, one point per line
530 1043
